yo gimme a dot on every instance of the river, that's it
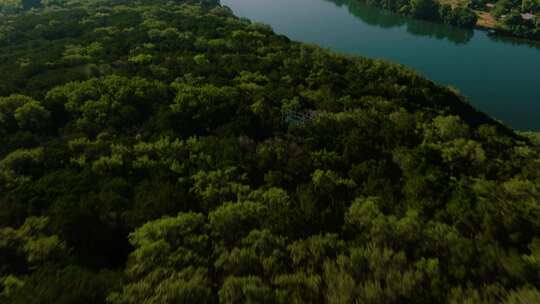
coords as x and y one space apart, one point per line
500 76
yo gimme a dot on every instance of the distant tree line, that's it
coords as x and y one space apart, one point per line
144 158
430 10
519 18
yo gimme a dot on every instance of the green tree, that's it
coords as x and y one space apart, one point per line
20 166
169 263
32 116
232 221
25 250
249 289
29 110
425 9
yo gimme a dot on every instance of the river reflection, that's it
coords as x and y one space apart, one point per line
385 19
377 17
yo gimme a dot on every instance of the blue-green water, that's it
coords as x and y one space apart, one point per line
499 76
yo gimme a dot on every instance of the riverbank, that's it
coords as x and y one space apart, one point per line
498 32
497 74
513 21
512 24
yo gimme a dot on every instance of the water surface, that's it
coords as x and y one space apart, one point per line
500 76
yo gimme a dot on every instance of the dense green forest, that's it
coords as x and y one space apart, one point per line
169 152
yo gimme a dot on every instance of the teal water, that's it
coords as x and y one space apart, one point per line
500 76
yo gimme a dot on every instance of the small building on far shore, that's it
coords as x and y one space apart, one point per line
528 16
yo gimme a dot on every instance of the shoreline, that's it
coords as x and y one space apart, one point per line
499 32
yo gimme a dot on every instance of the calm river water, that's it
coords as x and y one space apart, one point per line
499 76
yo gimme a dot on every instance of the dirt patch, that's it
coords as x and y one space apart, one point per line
452 3
487 20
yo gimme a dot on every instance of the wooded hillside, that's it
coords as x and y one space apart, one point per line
146 156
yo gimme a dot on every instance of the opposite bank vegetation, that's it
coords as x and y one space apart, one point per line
147 156
520 18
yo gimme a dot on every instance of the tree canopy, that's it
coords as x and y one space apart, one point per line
148 155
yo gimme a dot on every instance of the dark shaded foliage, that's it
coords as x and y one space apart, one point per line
145 158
